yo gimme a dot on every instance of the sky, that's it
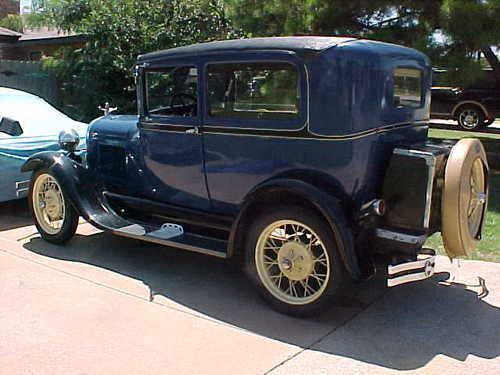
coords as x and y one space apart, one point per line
25 3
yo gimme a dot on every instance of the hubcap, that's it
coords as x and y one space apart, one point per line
295 261
48 203
469 118
292 262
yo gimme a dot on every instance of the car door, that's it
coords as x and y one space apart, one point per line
170 137
253 104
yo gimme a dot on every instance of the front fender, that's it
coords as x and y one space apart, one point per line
80 186
40 160
324 203
73 177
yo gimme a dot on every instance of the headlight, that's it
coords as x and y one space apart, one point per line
69 140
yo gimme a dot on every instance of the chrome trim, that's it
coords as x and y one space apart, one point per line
430 160
408 278
417 264
426 265
400 237
22 188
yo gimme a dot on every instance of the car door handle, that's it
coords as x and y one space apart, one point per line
193 131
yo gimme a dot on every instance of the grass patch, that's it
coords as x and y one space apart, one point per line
457 134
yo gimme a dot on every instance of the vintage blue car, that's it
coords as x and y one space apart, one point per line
28 124
305 157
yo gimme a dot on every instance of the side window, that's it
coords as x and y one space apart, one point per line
407 87
172 91
253 91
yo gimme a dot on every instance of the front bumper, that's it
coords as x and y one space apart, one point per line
407 272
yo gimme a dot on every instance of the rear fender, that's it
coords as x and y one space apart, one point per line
327 205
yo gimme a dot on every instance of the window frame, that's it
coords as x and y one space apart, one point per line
297 123
422 90
161 67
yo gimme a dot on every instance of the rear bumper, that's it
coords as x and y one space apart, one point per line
407 272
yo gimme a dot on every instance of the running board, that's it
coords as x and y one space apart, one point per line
173 235
96 210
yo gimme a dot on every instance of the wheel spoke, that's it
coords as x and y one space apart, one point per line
308 290
322 260
319 277
292 262
292 289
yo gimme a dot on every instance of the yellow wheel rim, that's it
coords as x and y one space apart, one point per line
292 262
48 204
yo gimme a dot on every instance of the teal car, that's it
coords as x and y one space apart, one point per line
36 128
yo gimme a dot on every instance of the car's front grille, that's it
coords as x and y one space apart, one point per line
112 161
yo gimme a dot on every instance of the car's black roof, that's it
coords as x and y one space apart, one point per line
288 43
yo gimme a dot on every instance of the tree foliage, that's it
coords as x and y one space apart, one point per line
451 32
117 32
13 22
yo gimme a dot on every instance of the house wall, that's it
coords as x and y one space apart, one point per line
33 51
9 7
7 50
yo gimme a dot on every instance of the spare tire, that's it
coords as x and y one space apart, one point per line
465 197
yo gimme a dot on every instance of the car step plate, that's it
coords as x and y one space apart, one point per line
167 231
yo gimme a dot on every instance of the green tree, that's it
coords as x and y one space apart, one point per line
117 32
13 22
451 32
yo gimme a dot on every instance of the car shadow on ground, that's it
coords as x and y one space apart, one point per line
403 328
14 214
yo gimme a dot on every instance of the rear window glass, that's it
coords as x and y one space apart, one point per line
253 91
407 87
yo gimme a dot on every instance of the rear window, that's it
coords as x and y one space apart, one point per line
407 87
253 91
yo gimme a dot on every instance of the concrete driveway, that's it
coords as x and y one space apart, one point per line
108 305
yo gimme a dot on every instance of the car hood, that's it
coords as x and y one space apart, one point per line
37 117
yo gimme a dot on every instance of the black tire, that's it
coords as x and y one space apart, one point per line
475 114
71 217
332 242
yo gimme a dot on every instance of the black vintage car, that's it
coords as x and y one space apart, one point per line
472 107
305 157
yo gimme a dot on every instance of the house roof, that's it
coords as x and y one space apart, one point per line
289 43
40 35
9 32
44 33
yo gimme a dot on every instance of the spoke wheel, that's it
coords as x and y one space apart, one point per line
470 118
293 257
292 262
48 203
55 217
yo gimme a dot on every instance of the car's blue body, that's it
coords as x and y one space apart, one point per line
344 136
212 174
41 124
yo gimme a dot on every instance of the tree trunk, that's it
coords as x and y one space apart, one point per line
492 59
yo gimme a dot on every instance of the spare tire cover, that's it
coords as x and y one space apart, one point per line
465 197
